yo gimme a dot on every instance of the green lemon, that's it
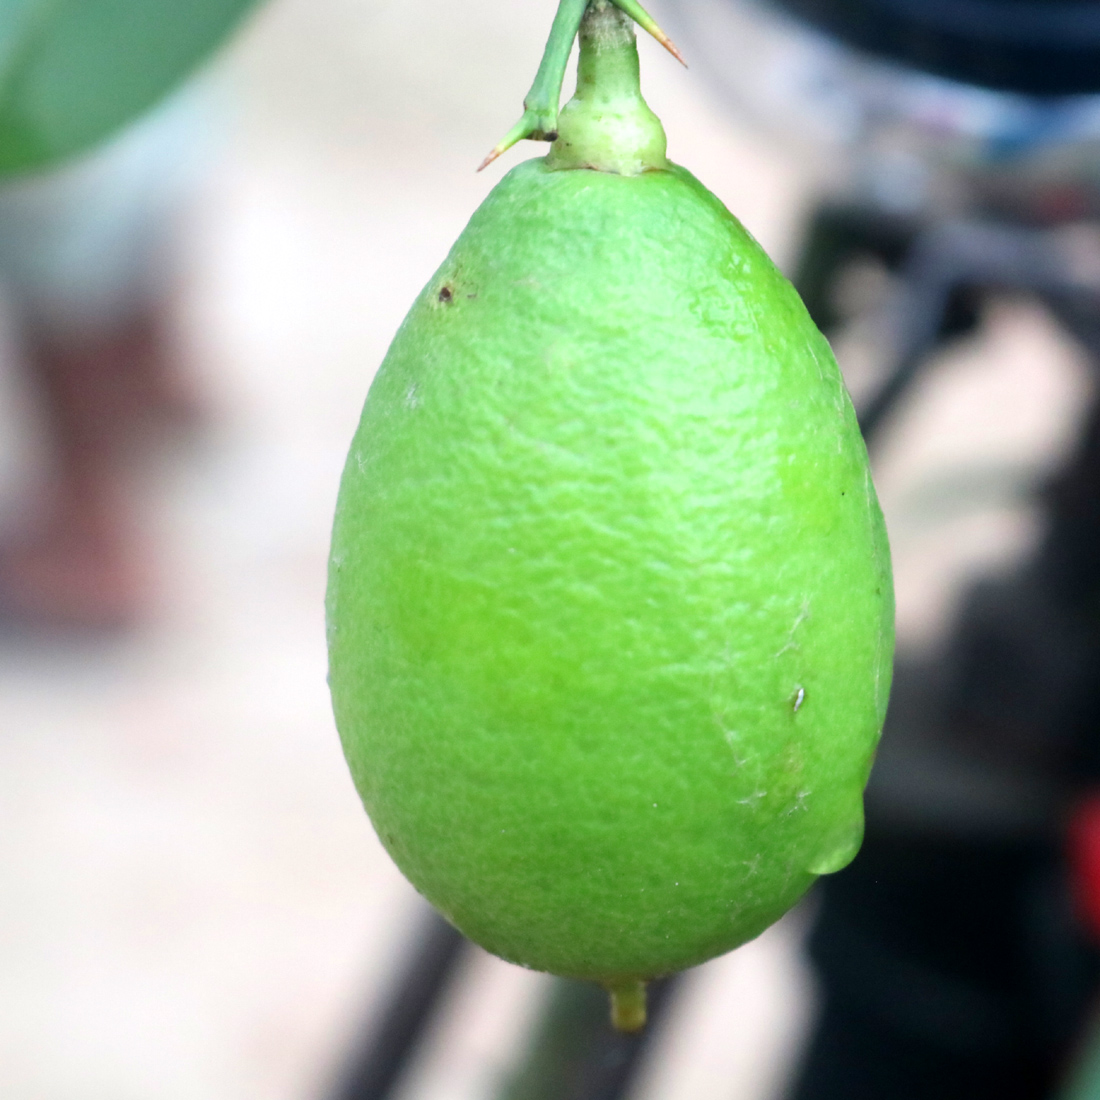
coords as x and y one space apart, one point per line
610 608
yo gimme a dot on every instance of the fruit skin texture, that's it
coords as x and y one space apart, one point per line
610 607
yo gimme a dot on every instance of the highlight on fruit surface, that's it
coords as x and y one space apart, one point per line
610 613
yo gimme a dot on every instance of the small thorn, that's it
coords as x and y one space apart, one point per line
672 49
649 25
493 154
526 127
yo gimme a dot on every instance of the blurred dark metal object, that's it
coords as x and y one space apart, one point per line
952 969
1016 682
576 1055
432 961
953 964
1037 47
1060 266
840 234
925 107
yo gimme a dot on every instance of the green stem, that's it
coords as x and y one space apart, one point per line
540 108
539 121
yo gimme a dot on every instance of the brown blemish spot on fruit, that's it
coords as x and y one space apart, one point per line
446 294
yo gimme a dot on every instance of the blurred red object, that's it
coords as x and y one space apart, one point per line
1083 850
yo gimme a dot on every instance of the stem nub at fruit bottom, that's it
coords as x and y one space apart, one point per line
628 1005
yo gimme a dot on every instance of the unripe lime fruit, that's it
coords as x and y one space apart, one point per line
610 609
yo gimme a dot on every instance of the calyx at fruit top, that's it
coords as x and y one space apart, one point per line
607 125
612 69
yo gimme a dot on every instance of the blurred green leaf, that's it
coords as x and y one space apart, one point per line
73 71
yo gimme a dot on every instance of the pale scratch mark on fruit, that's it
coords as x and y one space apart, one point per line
823 374
879 702
732 737
798 699
869 492
410 397
752 864
803 615
753 799
799 803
